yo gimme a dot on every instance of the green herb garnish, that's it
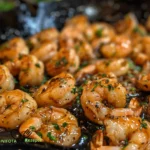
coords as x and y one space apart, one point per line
24 100
37 65
74 90
51 137
139 31
62 62
110 87
95 85
39 134
56 126
99 32
64 124
32 128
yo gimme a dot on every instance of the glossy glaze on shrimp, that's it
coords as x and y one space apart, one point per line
12 49
98 94
65 60
6 79
15 107
31 71
53 125
57 91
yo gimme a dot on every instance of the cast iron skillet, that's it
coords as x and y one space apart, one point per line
27 19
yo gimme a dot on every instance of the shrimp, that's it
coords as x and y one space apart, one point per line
45 51
79 22
146 46
53 125
70 37
13 49
132 129
99 33
143 83
64 60
57 91
50 35
85 51
31 71
119 47
98 95
6 79
110 75
127 25
117 66
97 142
140 58
15 107
123 133
13 66
90 70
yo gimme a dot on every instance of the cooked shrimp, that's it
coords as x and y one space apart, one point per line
140 58
104 75
96 93
124 133
117 66
90 69
130 128
45 51
127 25
50 35
13 49
57 91
64 60
53 125
146 46
31 71
70 37
85 51
120 47
143 83
79 22
134 109
97 142
6 79
13 66
99 33
15 107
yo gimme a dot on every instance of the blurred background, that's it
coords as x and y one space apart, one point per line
26 17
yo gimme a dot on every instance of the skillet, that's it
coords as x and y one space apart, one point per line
28 18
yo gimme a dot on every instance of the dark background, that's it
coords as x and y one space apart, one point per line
27 19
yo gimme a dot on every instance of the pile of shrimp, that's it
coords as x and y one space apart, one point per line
95 65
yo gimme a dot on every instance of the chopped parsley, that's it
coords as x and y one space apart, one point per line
56 126
24 100
95 85
62 62
99 32
45 79
65 124
25 89
74 90
125 144
110 87
37 65
139 31
16 81
143 124
32 128
51 137
39 134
